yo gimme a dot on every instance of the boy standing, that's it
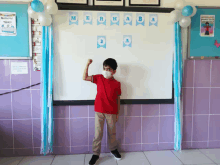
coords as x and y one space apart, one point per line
207 28
107 106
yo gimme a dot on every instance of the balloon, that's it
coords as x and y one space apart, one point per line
45 19
194 11
187 11
179 4
43 1
185 22
32 13
175 16
51 8
37 6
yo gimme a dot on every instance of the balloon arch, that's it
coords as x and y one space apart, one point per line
42 12
182 13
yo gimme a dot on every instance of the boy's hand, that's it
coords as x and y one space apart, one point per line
116 117
89 61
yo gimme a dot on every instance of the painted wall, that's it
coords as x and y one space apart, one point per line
140 127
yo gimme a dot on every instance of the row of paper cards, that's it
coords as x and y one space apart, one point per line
114 19
36 31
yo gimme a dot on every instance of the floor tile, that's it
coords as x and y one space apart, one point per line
192 157
165 157
10 160
213 154
36 160
133 158
159 157
69 159
201 164
104 159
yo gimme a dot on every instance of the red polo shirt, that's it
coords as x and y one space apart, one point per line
108 91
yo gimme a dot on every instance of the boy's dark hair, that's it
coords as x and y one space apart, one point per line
111 63
206 23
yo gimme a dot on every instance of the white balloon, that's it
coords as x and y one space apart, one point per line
175 16
185 22
43 1
51 8
180 4
194 11
32 13
45 19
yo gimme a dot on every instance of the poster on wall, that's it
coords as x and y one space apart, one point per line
8 24
109 2
207 25
144 2
73 2
19 68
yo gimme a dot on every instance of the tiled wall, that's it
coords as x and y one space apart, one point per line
201 98
140 127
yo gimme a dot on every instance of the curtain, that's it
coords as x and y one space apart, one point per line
46 91
177 80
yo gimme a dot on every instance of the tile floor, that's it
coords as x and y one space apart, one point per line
166 157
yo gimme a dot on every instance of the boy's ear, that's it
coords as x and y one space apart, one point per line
114 71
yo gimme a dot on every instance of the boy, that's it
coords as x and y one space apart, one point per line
207 28
107 106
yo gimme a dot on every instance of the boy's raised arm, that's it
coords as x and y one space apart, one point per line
85 74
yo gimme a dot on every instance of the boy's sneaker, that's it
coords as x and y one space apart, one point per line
116 154
93 159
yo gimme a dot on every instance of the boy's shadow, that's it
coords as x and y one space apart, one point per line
124 76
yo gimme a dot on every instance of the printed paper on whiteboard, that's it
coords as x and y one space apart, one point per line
19 68
8 24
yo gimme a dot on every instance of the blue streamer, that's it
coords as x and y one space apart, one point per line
46 91
51 90
177 79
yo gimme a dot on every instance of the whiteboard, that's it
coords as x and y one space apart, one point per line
144 70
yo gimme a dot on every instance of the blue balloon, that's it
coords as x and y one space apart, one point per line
187 11
37 6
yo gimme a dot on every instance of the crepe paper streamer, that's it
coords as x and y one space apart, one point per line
46 91
177 80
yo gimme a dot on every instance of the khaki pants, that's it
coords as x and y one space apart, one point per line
99 124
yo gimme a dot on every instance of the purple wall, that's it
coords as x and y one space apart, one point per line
140 127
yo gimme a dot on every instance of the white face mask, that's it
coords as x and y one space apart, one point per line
106 74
